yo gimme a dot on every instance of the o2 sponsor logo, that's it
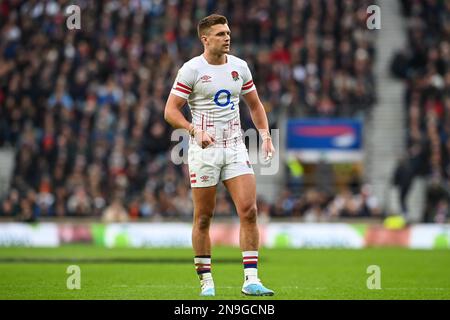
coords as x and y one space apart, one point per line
219 99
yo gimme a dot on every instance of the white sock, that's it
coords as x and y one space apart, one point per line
203 268
250 261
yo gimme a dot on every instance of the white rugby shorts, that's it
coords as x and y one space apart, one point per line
217 163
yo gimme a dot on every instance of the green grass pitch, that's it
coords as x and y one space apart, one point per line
40 273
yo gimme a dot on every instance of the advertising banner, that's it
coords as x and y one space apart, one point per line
29 235
272 235
311 235
148 235
430 236
333 140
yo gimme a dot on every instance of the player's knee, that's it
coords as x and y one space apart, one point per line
248 213
202 222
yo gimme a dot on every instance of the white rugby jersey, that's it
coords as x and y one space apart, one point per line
212 92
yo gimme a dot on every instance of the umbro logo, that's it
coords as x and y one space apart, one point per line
205 78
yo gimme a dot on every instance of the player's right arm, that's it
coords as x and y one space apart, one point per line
181 90
174 116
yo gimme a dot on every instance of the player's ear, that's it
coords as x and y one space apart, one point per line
204 39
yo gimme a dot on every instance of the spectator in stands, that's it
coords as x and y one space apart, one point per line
79 204
115 212
402 179
223 206
425 65
149 206
437 201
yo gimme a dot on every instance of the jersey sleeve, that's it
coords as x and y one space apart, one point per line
184 82
248 84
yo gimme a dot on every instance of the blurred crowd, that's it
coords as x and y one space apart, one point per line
316 205
425 65
84 108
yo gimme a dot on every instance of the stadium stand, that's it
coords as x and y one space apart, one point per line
425 66
84 108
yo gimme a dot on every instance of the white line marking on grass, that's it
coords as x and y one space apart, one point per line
221 287
412 288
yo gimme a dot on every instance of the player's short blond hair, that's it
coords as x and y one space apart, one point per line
208 22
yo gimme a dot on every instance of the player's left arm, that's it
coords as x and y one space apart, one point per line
259 118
